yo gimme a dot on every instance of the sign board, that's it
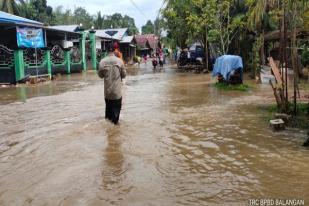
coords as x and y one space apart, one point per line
30 37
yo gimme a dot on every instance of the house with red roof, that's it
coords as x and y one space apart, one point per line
147 44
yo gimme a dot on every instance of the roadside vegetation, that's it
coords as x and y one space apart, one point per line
231 87
296 121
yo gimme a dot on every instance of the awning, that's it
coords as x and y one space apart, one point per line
6 18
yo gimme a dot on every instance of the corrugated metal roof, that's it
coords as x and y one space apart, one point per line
153 42
67 28
141 40
102 34
17 20
152 39
127 39
119 33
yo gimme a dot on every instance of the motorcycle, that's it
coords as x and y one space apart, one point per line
189 62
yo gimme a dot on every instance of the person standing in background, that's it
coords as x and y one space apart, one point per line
117 51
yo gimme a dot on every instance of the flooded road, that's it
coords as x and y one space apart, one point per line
180 142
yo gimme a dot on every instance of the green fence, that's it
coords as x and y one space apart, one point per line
17 64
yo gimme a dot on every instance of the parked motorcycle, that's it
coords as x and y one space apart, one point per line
187 61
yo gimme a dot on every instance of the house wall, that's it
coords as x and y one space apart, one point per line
128 52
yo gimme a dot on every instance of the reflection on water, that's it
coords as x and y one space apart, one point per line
180 142
60 85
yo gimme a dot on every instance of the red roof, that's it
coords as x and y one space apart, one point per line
152 39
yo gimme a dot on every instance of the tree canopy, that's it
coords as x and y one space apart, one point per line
40 11
116 21
148 28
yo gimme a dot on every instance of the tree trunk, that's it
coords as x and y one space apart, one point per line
206 48
283 59
262 47
294 57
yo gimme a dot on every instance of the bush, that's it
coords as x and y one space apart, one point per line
305 57
238 87
136 59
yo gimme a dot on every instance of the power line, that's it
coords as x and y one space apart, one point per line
154 22
141 11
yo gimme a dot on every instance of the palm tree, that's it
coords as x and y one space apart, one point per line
10 6
257 19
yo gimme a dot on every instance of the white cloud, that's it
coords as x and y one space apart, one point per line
107 7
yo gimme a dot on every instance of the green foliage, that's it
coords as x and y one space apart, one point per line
305 56
63 17
9 6
175 17
39 10
228 87
159 25
206 21
118 21
82 16
27 10
297 121
99 21
256 63
136 59
128 22
148 28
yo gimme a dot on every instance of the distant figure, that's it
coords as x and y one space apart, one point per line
117 51
145 59
112 70
189 54
161 59
139 59
154 63
166 53
178 53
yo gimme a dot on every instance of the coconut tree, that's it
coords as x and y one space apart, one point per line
11 6
258 19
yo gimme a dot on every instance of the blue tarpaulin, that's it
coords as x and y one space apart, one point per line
7 18
30 37
226 64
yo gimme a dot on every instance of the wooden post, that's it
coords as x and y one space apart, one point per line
277 96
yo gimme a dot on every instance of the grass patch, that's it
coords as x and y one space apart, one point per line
230 87
296 121
271 108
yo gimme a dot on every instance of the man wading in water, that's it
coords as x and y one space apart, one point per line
112 70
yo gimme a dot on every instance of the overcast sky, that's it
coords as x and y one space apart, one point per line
148 8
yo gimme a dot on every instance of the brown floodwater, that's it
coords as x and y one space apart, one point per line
180 141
